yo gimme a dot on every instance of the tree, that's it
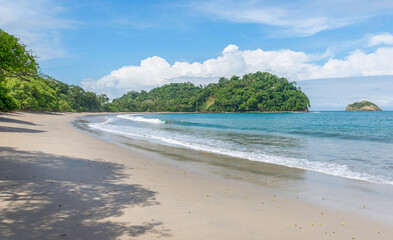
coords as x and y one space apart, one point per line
7 102
34 94
15 60
102 98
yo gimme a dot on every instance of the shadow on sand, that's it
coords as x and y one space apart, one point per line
19 130
11 120
48 196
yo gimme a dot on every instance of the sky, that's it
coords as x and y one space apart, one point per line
338 51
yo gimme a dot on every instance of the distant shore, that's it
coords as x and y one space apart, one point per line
59 183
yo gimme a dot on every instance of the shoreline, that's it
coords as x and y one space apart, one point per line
110 192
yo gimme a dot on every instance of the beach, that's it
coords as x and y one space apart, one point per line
57 182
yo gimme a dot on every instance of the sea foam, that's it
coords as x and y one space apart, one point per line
137 118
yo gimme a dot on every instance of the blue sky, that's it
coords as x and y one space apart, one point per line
116 46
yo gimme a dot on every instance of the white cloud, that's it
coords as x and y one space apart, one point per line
37 23
385 38
156 71
358 63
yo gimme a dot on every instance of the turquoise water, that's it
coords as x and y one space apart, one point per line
352 145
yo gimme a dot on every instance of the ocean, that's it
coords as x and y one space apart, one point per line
344 153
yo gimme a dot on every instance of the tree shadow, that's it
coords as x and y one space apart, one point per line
19 130
45 196
44 112
11 120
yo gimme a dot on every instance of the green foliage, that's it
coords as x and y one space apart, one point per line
253 92
362 104
71 98
64 106
44 93
257 92
174 97
7 102
15 60
34 94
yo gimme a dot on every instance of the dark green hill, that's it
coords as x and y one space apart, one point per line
262 92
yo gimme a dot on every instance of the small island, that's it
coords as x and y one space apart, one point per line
363 106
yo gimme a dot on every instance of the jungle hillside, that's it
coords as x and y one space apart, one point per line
261 92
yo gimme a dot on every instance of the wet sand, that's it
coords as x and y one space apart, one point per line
59 183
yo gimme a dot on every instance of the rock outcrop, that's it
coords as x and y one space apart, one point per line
363 106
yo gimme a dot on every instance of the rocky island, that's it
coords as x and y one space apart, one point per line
363 106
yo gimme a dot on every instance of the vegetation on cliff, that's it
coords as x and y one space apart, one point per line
254 92
363 106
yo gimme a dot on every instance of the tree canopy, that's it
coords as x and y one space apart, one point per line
15 60
44 93
263 92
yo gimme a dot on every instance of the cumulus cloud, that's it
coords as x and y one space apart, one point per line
156 71
37 22
385 38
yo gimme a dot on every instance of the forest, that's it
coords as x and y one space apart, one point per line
262 92
24 87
